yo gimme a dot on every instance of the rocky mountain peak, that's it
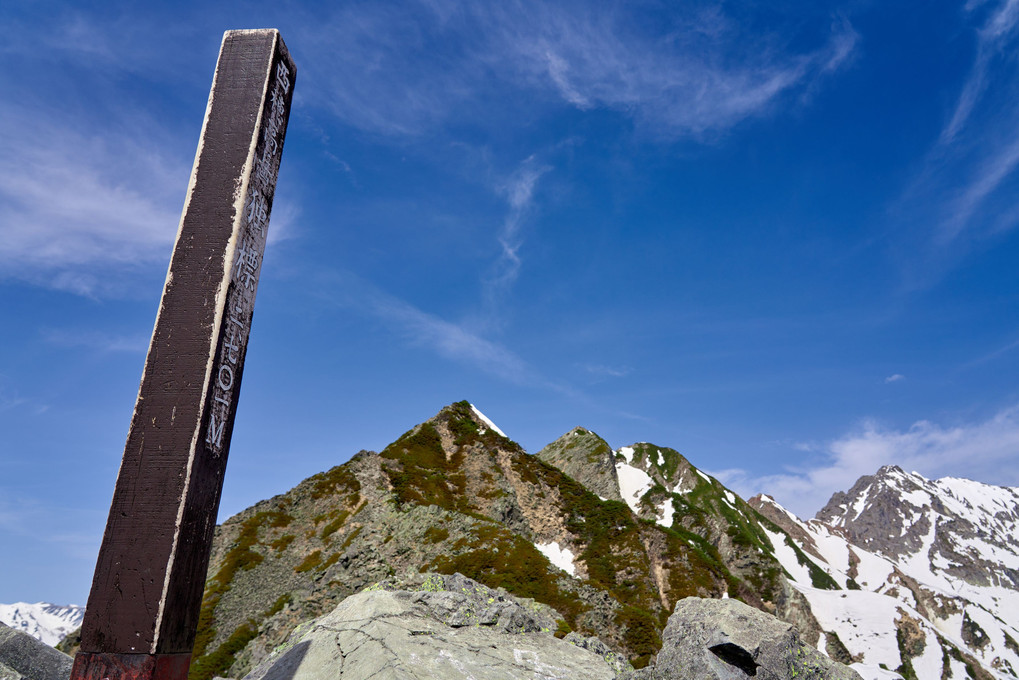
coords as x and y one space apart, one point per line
455 495
955 527
587 458
937 561
42 620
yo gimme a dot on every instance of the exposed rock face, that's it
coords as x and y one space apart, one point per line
22 657
453 628
726 639
444 627
454 495
961 525
661 485
587 458
927 563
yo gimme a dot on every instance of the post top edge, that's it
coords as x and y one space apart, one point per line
250 31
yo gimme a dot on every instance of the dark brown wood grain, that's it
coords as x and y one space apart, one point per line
150 574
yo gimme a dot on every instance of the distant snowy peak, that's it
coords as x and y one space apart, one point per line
962 529
885 601
49 623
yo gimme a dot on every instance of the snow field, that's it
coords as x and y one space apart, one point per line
560 557
633 482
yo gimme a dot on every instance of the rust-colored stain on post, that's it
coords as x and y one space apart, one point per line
143 608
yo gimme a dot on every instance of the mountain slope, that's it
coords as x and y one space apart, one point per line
929 567
455 495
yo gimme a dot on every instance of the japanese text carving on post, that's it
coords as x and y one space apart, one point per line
247 260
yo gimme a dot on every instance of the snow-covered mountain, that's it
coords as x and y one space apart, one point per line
43 621
929 571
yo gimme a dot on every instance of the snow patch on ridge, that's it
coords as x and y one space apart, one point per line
665 512
787 557
861 503
864 622
560 557
485 419
633 483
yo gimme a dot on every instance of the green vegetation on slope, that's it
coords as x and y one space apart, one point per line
240 557
244 555
421 473
499 558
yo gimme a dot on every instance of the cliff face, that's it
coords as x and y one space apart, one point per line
455 495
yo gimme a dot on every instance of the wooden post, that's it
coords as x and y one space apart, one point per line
147 590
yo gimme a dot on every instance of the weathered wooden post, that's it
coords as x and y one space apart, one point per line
146 594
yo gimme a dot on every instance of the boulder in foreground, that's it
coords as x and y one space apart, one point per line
22 657
728 640
445 627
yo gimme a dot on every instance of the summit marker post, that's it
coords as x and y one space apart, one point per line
143 608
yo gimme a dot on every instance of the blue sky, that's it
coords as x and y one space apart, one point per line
778 237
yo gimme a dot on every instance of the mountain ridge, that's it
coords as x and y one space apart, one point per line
453 495
48 623
889 538
611 539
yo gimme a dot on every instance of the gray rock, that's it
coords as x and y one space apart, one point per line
728 640
452 628
587 458
22 657
616 661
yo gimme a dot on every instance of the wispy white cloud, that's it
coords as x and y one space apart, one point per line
894 378
986 451
450 340
961 190
986 177
702 77
990 39
406 71
283 222
27 518
518 190
77 206
991 356
601 370
9 400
